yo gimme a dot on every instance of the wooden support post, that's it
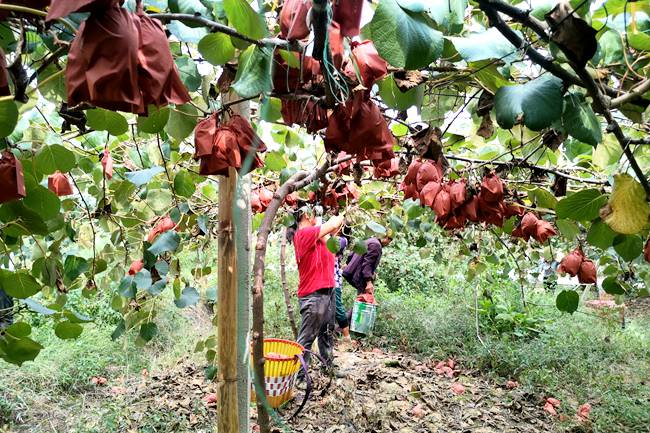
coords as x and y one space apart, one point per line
227 406
233 297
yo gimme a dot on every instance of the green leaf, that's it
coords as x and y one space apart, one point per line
106 120
76 317
270 109
158 287
189 296
68 330
19 329
612 287
292 58
167 241
414 211
369 202
608 152
185 33
156 120
360 247
405 39
628 247
600 235
127 287
536 104
568 228
42 201
611 47
376 228
245 20
19 284
38 308
581 206
448 13
274 161
333 244
567 301
216 48
490 44
542 198
254 73
188 7
488 75
119 330
20 221
184 184
580 121
8 117
148 331
143 177
74 266
54 157
392 96
142 279
574 149
188 72
182 120
19 350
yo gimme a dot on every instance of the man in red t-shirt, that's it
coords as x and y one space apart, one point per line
316 286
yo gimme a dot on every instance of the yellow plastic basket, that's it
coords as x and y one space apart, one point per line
280 369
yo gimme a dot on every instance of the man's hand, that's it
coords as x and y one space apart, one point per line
370 288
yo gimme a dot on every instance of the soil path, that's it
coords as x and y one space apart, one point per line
394 393
383 392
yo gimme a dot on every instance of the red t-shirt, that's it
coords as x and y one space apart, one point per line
315 261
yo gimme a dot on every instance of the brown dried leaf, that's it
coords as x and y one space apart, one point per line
573 35
406 80
486 129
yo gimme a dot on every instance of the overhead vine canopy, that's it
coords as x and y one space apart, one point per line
523 126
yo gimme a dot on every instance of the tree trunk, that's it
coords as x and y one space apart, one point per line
297 181
227 406
283 280
233 299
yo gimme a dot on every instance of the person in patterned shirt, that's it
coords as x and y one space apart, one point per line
341 315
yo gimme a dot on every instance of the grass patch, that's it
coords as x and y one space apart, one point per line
55 393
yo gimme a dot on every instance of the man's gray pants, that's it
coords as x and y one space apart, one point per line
317 311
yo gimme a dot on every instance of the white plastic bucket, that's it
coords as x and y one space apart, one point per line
363 317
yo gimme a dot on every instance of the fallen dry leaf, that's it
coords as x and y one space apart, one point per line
98 380
118 390
457 388
512 384
548 407
417 411
554 401
210 398
583 412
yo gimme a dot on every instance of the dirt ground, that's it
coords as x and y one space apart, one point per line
389 392
383 392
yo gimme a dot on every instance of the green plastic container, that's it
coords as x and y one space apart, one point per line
363 317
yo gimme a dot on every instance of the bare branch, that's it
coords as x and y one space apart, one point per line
216 27
634 93
517 163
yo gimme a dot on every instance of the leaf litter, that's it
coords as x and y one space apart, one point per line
392 392
382 392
